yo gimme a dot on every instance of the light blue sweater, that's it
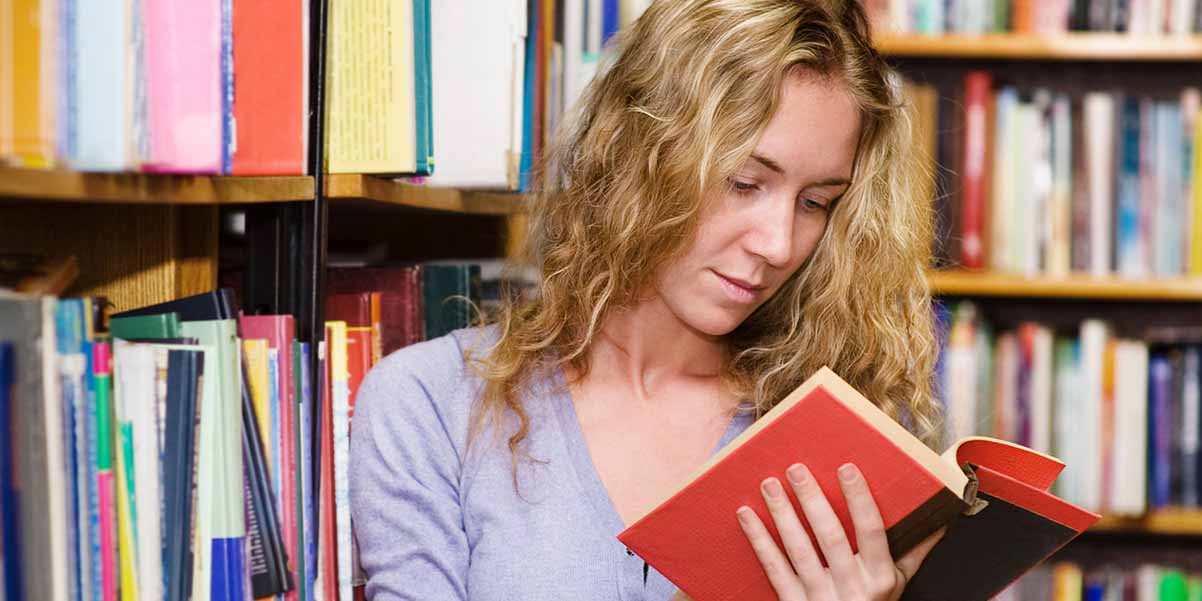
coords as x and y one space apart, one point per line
435 522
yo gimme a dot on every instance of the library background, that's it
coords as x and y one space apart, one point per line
200 285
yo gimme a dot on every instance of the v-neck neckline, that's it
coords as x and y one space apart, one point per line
582 460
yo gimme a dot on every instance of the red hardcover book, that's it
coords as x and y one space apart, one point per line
401 316
983 490
280 331
976 142
362 316
270 88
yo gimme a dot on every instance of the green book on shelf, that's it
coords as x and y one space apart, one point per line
146 327
446 288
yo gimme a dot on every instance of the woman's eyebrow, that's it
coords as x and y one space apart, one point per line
769 163
775 166
832 181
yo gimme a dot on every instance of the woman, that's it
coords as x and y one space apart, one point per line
730 209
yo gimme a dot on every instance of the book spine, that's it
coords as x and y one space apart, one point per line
308 521
105 483
10 493
972 225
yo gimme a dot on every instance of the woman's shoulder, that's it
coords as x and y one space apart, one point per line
430 381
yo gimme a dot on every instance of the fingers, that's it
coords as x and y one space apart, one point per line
909 563
798 547
776 566
875 558
828 530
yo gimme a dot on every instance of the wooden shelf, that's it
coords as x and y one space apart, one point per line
139 188
1175 522
1071 46
379 189
960 283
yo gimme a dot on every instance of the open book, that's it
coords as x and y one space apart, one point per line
992 495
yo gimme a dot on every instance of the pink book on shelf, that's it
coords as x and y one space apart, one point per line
182 56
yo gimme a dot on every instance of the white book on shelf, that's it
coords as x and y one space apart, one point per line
1130 446
1089 464
137 411
1182 17
1099 110
573 53
1060 212
1001 195
477 66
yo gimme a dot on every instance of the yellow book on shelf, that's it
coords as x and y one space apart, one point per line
27 126
126 541
1195 240
371 124
1067 582
254 355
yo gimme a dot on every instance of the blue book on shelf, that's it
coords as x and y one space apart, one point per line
422 89
1160 431
531 68
104 140
227 86
10 499
1129 258
610 20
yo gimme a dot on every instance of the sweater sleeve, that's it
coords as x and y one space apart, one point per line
404 476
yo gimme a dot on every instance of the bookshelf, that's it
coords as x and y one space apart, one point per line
988 284
1178 522
1071 46
140 188
341 187
1074 63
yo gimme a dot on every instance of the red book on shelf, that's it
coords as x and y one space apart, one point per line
983 490
270 88
401 315
976 142
279 331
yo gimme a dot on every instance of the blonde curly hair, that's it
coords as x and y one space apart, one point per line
675 111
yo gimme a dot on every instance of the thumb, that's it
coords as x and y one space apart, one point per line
909 562
680 596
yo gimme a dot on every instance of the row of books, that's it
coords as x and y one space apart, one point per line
1043 17
1045 182
222 86
492 82
1066 581
168 86
1123 414
183 452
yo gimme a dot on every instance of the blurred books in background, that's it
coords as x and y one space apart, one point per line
1043 17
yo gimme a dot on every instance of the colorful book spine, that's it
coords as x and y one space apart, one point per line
184 85
340 388
105 478
308 521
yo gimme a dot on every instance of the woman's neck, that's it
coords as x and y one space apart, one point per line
646 347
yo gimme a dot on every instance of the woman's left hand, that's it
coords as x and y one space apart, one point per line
797 573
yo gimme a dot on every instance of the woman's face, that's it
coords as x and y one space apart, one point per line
760 229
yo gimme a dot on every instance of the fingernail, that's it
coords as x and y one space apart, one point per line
847 472
744 514
797 474
772 488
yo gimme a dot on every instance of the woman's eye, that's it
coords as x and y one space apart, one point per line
743 187
811 205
